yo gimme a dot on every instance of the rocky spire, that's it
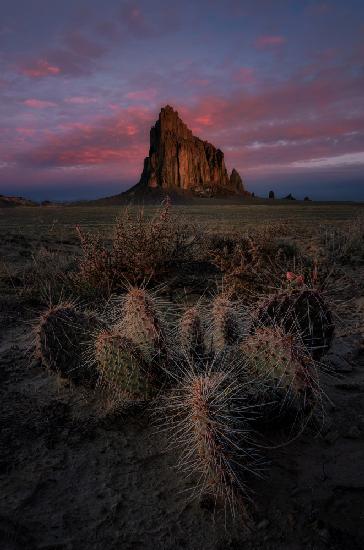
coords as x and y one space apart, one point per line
179 160
236 182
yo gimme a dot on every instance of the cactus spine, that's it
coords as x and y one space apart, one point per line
191 334
141 324
280 366
208 429
123 373
225 323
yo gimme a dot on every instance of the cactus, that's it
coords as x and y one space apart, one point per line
124 375
226 329
303 311
141 324
61 336
208 429
191 334
281 368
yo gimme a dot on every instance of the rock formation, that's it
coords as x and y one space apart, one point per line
178 160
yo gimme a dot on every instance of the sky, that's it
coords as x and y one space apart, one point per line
278 85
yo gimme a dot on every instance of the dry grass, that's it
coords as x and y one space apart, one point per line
345 244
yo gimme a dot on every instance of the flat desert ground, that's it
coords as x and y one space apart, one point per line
70 479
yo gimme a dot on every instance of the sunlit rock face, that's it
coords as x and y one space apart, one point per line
179 160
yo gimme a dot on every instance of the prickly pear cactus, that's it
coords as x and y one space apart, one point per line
304 312
141 324
225 324
281 368
123 373
191 333
62 334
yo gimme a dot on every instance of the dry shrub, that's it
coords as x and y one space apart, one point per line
250 263
141 249
44 277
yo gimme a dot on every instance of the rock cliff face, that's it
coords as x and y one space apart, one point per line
179 160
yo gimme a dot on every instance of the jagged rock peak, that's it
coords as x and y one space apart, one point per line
179 160
236 182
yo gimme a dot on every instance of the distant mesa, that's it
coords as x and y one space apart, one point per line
289 197
179 161
12 202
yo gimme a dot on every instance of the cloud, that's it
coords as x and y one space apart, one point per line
80 100
244 75
116 140
39 69
269 41
142 95
347 159
39 103
74 53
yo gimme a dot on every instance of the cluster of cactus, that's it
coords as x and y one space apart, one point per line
125 359
131 356
135 358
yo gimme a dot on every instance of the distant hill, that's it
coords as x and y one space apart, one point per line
150 196
12 202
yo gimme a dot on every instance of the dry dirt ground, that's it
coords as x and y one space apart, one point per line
70 479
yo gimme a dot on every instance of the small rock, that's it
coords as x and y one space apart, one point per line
324 534
263 524
353 433
338 363
331 437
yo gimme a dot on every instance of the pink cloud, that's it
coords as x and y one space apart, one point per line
269 41
122 138
135 21
40 68
244 75
39 103
80 100
141 95
204 120
262 131
26 132
200 81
